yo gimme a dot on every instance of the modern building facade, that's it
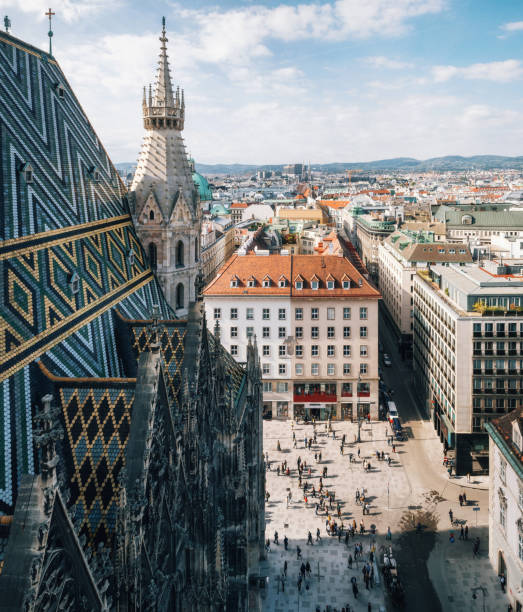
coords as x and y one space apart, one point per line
468 353
399 257
315 320
164 199
115 416
506 502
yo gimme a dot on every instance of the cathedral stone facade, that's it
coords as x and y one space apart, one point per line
131 464
164 200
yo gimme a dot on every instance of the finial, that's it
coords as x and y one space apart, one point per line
150 95
144 98
7 23
50 33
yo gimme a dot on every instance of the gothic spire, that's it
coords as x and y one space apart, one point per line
163 92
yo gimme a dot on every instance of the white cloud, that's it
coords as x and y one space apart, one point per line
68 10
513 26
500 72
380 61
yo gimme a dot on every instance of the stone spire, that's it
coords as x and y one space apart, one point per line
163 93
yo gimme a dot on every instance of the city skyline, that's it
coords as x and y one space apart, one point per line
271 82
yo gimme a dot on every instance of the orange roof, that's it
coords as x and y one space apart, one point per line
239 205
307 267
334 203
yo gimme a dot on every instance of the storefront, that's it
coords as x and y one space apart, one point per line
316 411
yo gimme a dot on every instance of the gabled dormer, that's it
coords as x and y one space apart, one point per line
282 281
181 212
151 212
315 282
235 281
251 281
331 282
345 281
298 282
267 281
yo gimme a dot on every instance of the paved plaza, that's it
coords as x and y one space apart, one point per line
386 486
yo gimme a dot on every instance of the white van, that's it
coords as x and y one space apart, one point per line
392 411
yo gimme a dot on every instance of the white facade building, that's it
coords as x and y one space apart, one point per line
506 503
315 319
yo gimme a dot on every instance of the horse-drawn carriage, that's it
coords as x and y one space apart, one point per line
392 581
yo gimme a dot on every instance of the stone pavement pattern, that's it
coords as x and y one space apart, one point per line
333 587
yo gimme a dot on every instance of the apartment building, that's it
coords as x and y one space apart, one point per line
506 502
370 232
315 321
399 257
468 353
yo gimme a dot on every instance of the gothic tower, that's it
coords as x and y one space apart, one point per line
164 199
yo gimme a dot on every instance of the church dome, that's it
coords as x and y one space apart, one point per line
203 186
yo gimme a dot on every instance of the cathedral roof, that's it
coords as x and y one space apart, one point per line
203 186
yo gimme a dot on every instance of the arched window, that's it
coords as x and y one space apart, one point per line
153 255
179 254
196 249
151 215
179 296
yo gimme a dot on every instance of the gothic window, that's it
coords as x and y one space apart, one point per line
151 215
179 296
179 254
153 255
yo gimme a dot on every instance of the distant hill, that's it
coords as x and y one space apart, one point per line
408 164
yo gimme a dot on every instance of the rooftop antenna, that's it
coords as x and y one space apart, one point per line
7 24
50 33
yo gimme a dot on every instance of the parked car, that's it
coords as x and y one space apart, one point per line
387 361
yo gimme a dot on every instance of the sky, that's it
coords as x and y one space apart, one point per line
280 81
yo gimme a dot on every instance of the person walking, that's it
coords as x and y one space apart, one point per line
389 534
354 587
464 499
466 532
276 537
286 543
357 496
393 448
358 453
502 582
451 516
350 561
298 552
299 583
318 536
309 539
462 533
285 568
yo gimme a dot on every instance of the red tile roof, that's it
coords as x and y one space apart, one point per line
293 267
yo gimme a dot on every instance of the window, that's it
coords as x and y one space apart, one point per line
282 314
282 368
315 313
503 470
346 312
363 312
330 332
282 283
363 332
299 332
298 284
266 282
346 369
74 283
249 314
315 332
299 369
502 513
234 281
251 282
299 350
346 332
266 350
282 387
298 314
331 350
331 370
346 284
282 409
282 350
331 313
250 332
330 284
266 314
217 313
180 299
179 254
266 332
363 368
315 369
346 350
314 285
153 255
234 350
315 350
267 387
282 332
363 350
266 369
234 332
234 313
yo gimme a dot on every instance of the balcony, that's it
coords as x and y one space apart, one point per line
316 398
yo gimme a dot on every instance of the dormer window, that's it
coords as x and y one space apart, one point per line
266 282
74 283
130 257
60 90
26 170
282 282
251 282
234 281
360 282
346 284
298 284
314 285
151 215
330 284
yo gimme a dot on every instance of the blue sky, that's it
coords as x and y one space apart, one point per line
275 82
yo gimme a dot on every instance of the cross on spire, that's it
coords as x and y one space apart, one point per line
50 33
